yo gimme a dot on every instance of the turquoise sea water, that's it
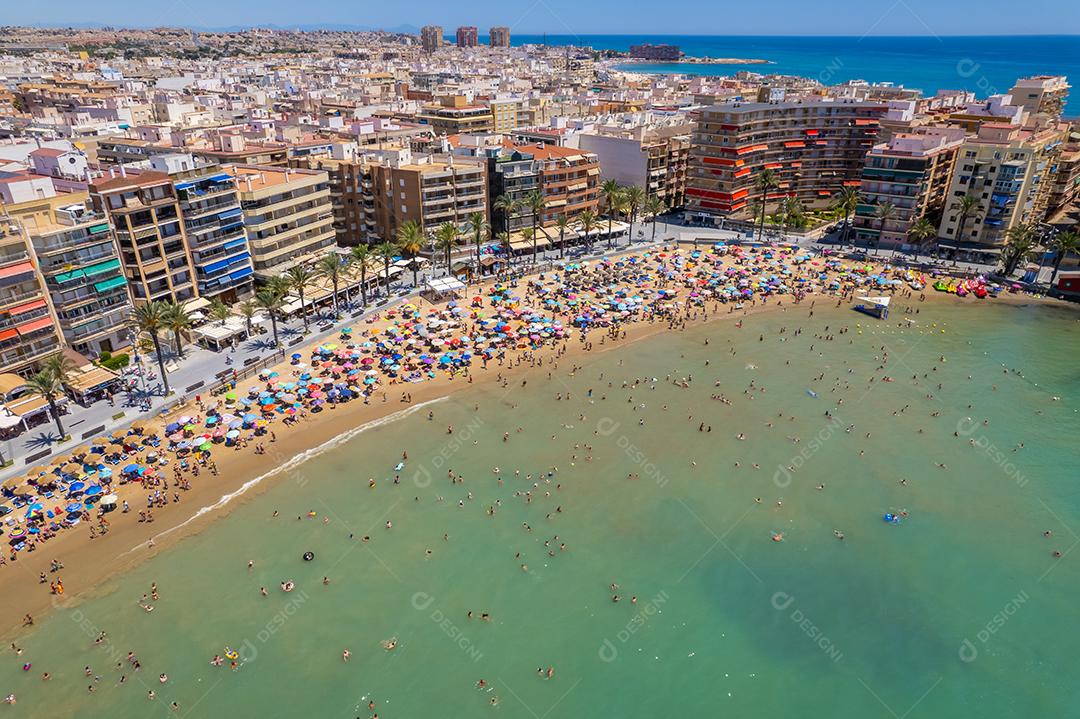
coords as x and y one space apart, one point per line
958 610
983 64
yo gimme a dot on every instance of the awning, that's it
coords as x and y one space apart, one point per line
445 284
35 325
17 269
196 304
8 334
107 285
69 276
26 307
101 267
795 143
91 379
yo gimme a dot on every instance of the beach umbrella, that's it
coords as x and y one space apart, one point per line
74 508
93 491
76 487
132 469
232 434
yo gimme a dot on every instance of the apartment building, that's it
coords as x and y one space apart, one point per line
454 115
812 148
431 37
213 226
28 332
911 172
350 185
568 178
145 212
508 115
1065 186
654 159
287 214
428 189
76 255
499 36
467 36
1045 94
1007 169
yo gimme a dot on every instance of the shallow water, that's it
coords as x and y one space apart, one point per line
960 605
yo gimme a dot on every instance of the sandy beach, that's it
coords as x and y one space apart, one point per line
88 561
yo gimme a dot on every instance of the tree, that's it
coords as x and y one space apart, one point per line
611 191
446 236
1065 243
176 319
765 181
300 277
653 207
271 299
332 267
149 318
218 310
587 220
386 252
359 257
920 233
884 212
507 207
535 202
479 227
846 201
792 214
633 199
508 249
59 365
410 240
562 223
965 207
247 311
46 384
1019 242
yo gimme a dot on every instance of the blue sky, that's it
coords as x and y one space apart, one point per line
772 17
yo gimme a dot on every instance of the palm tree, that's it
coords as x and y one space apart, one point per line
965 208
446 236
410 240
46 384
653 207
219 310
508 249
479 226
634 198
529 235
506 206
921 232
846 201
1019 242
562 222
359 257
587 220
386 252
272 299
1065 243
535 202
611 191
176 319
884 212
300 277
332 267
247 311
150 318
765 181
59 365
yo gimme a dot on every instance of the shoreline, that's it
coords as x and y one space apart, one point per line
244 475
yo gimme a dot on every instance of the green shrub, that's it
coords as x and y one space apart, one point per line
115 362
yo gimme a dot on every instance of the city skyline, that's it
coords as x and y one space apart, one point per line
562 17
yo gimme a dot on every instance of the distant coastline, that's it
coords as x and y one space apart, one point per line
700 61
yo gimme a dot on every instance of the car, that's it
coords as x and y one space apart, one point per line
326 325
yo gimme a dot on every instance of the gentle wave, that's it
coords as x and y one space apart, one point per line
293 462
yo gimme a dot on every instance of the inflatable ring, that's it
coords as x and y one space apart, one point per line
308 556
231 655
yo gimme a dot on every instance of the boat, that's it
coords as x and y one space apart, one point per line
877 307
941 286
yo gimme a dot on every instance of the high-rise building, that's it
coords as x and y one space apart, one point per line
28 332
77 258
145 212
454 115
499 36
653 159
1007 171
813 149
428 189
910 173
287 216
213 225
1044 94
431 37
467 36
